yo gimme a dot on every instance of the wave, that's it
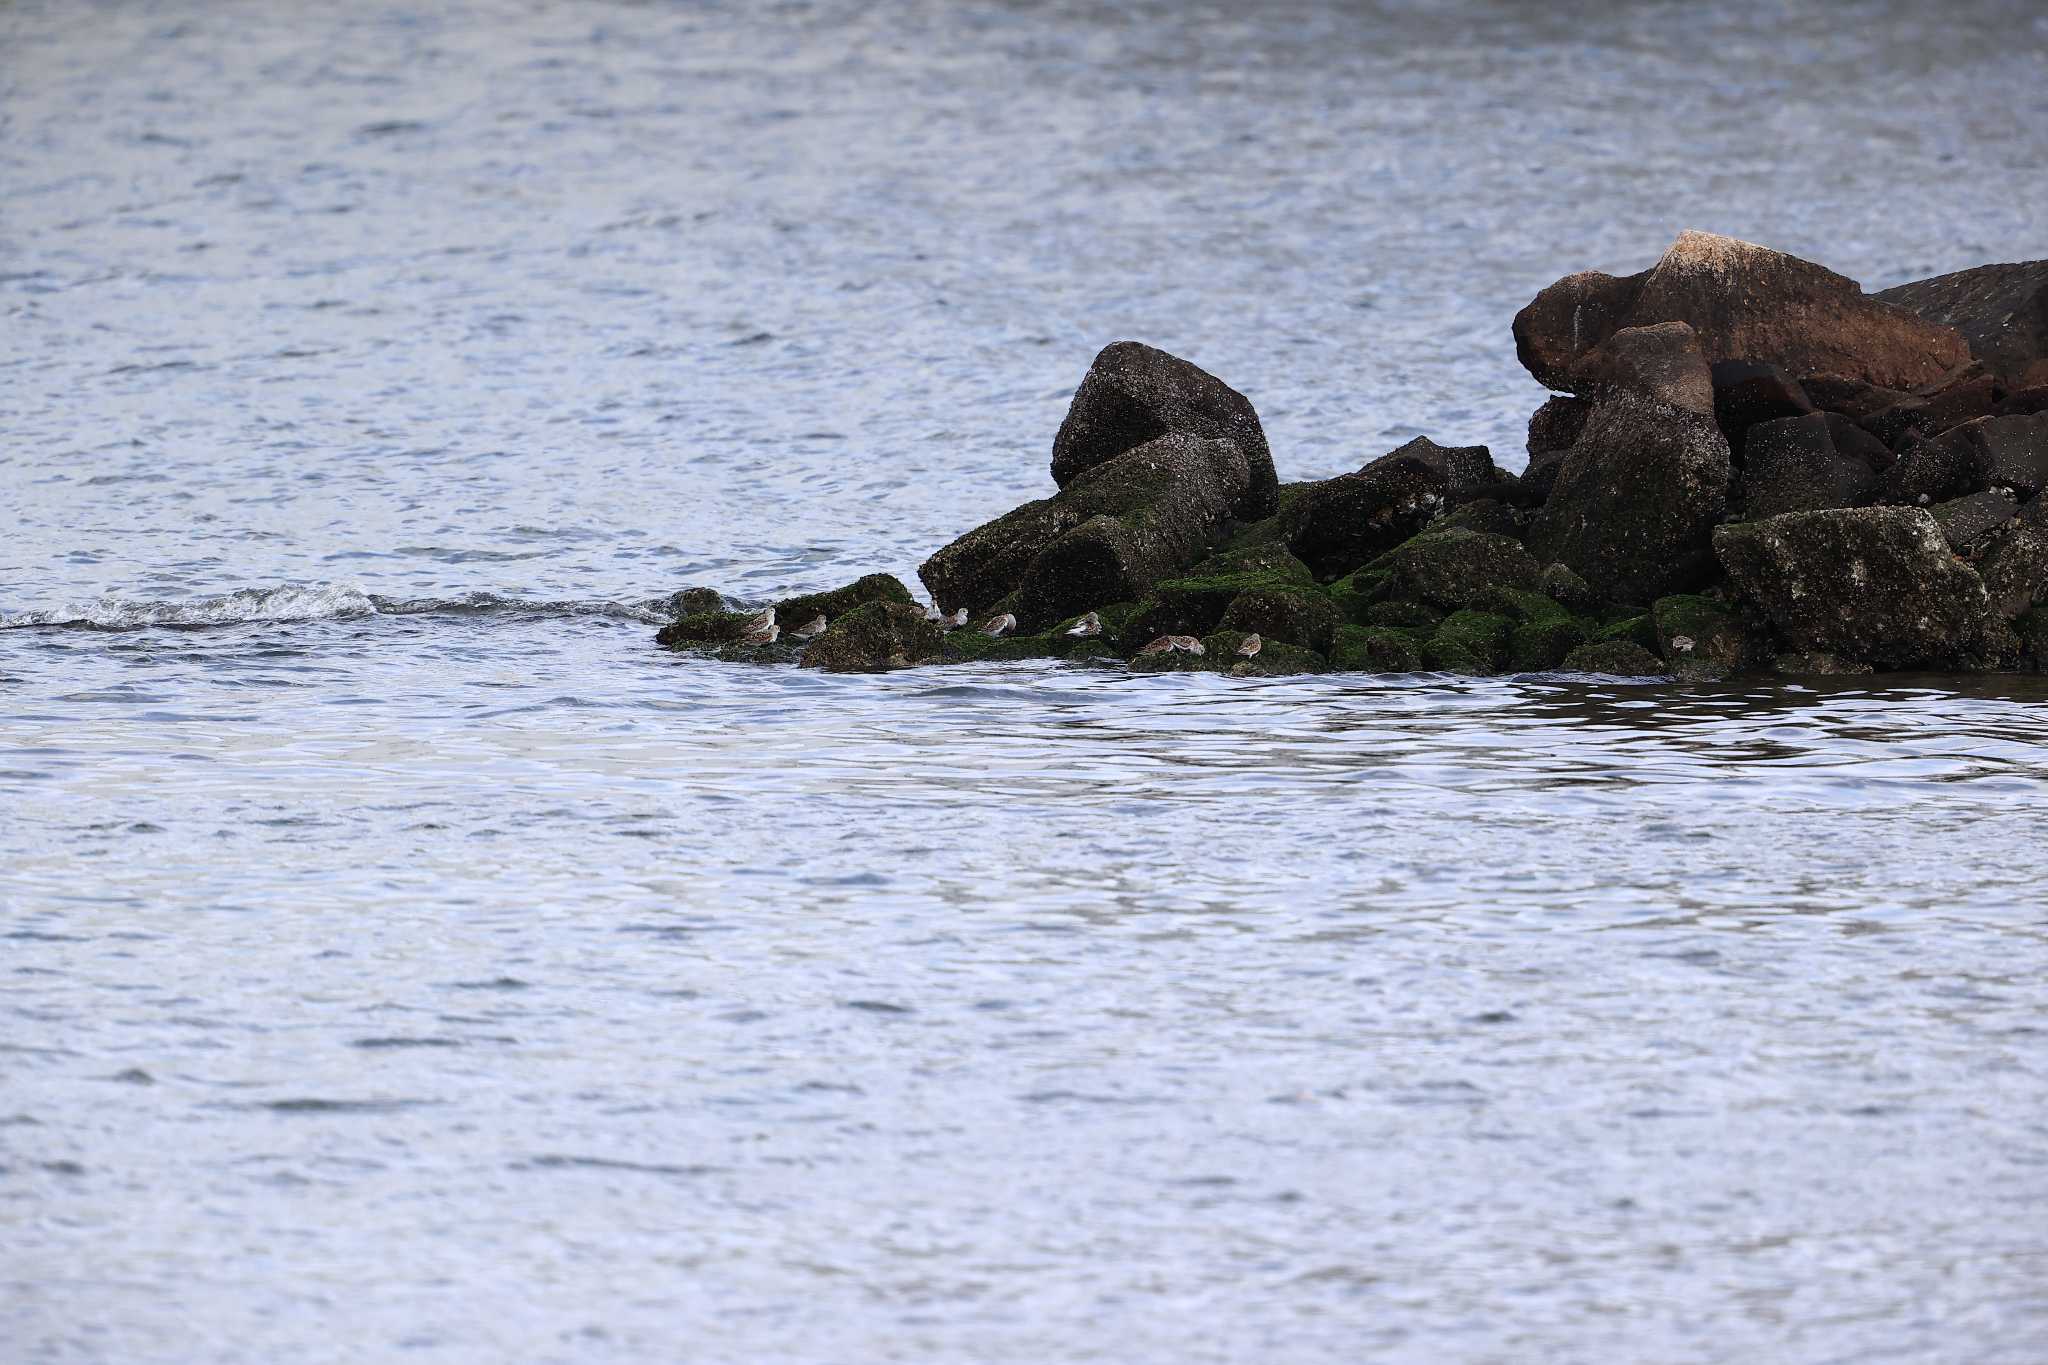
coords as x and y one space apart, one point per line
315 602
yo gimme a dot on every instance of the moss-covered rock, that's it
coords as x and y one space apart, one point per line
1619 658
1472 642
1301 616
1376 649
1449 569
1339 524
874 587
1543 644
1409 614
1700 638
706 628
695 602
1355 594
1275 659
1488 516
1566 588
1194 603
875 637
2031 632
1627 627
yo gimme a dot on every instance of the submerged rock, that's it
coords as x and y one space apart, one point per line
1615 658
1745 302
874 638
1637 500
1134 394
694 602
1876 585
2001 311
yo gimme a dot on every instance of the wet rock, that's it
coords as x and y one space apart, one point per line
1469 642
1875 584
1134 394
1566 588
1376 649
1341 523
877 636
1899 423
1553 429
1301 616
2030 634
1701 639
2001 311
1662 361
1543 632
2004 452
1148 512
1744 302
874 587
707 628
1450 569
1637 500
1817 664
1410 614
1194 603
1794 465
1747 392
1965 521
694 602
1615 658
2035 511
1275 659
2015 571
1928 472
2025 402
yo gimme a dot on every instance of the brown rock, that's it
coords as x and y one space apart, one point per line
1662 361
2001 311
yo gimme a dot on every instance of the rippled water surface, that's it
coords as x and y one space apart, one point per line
403 958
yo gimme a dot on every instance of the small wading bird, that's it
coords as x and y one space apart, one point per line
1091 624
811 630
947 620
761 628
1167 644
996 625
1249 646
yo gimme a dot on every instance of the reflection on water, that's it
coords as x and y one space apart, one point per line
403 958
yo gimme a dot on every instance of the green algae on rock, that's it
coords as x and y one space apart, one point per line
875 637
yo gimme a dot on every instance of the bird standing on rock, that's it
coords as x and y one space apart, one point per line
1091 624
1167 644
810 630
948 620
1249 646
997 625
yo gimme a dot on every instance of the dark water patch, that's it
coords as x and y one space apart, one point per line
313 1105
554 1162
402 1042
877 1007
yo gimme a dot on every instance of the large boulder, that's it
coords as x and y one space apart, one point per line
1135 393
2001 311
1804 464
2004 452
1338 524
1149 512
1636 500
793 612
1454 568
2015 571
873 638
1746 302
1876 585
1468 471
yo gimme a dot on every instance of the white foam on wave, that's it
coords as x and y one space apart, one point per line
292 602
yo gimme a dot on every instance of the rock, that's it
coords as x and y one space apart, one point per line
1542 645
1816 664
2025 402
1794 465
1134 394
1855 399
1874 584
1487 515
1615 658
1469 642
1152 510
1662 361
1745 302
1699 638
2001 311
1301 616
874 587
1553 429
1468 471
695 602
1410 614
1450 569
1747 392
1194 603
707 628
877 636
1900 422
1962 396
1375 649
1637 500
1275 659
2035 512
1965 521
1566 588
2031 635
1339 524
2004 452
1928 472
2015 571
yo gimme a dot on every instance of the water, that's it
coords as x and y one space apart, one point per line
403 958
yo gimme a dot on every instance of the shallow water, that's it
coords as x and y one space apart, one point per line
404 957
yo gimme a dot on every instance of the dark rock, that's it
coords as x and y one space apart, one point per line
1747 392
2035 511
1339 524
1566 588
875 587
2004 452
2030 634
1375 649
695 602
1875 584
707 628
2001 311
1962 396
1449 569
1817 664
1745 302
1469 642
1468 471
1793 465
1146 513
1965 521
1701 639
1411 614
1296 616
1928 472
1900 422
1488 515
1194 603
1542 645
1134 394
1637 500
1275 659
1662 361
2015 571
880 635
1855 399
1615 658
2025 402
1553 429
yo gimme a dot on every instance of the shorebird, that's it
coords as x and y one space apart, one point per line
949 620
761 619
762 635
1091 624
1188 643
1249 646
996 625
1162 645
811 630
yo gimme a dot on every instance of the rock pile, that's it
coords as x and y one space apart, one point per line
1749 464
